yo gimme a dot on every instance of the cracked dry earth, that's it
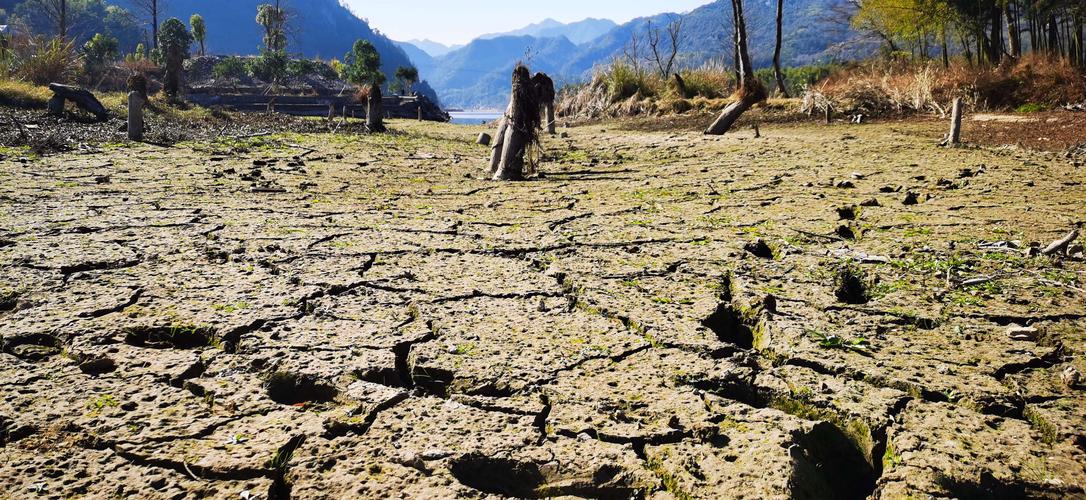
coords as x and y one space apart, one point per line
333 316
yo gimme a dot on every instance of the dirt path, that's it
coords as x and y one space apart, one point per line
338 316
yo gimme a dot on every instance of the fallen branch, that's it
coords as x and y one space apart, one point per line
1061 243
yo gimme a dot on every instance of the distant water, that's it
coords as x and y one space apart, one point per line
474 117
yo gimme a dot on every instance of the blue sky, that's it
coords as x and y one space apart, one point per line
460 21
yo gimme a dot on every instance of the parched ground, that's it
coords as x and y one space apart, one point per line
338 316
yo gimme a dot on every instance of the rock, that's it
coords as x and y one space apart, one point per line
1071 377
911 198
1018 332
759 248
846 232
564 135
483 140
845 185
1075 251
873 202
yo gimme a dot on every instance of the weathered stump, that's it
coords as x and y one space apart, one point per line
135 116
519 128
955 137
56 105
80 96
374 114
545 89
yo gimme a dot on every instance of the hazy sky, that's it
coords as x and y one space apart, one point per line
460 21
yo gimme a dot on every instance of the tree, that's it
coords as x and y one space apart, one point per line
781 87
363 64
56 11
98 52
750 90
174 41
407 76
665 51
199 31
151 9
273 18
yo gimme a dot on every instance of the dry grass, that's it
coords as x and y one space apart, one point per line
20 94
620 90
883 88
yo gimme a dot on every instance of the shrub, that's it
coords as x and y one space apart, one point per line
625 81
1031 107
46 61
270 66
303 67
709 82
98 52
230 67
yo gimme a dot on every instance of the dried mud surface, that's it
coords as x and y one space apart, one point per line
661 315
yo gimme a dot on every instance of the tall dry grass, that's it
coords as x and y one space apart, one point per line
621 89
901 87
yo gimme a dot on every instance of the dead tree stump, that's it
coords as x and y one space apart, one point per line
955 137
374 115
545 86
135 116
519 128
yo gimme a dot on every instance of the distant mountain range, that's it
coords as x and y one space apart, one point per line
432 48
477 75
579 32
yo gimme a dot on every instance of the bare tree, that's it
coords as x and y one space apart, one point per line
152 9
631 52
750 91
777 52
665 51
57 12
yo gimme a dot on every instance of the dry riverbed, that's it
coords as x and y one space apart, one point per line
337 316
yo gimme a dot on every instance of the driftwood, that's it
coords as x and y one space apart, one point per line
80 96
1060 244
374 116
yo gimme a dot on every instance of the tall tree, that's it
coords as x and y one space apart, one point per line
363 64
56 11
781 87
273 18
199 31
174 41
152 9
750 90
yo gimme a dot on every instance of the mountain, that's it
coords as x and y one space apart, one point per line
579 32
424 61
478 75
432 48
809 36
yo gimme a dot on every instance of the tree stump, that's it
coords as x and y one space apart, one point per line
56 105
519 128
135 116
374 116
483 140
545 88
80 96
955 137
